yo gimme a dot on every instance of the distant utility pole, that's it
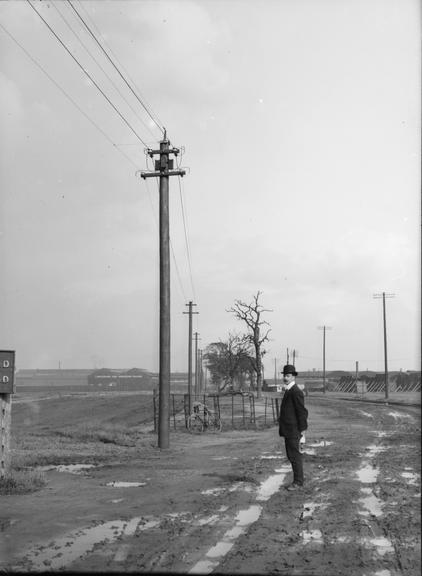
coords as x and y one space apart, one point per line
196 363
295 355
190 354
324 328
275 371
287 359
201 373
164 169
384 296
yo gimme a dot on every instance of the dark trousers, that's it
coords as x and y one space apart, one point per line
295 458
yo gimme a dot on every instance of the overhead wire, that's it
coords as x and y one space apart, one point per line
186 236
117 69
87 74
116 59
63 91
102 69
116 110
120 63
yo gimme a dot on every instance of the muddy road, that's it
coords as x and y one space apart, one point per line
216 503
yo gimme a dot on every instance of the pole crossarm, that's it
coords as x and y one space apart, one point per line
157 174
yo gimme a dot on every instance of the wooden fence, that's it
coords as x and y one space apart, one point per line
234 411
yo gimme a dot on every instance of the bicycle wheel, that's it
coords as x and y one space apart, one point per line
215 424
195 424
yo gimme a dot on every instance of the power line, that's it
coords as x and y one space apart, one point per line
87 74
101 68
63 91
116 68
116 59
186 238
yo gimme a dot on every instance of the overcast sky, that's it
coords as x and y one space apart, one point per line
300 122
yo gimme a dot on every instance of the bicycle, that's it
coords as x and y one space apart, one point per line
209 420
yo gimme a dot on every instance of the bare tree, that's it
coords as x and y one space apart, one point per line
251 314
227 361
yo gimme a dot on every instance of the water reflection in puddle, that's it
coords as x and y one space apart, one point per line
411 476
382 545
322 443
71 468
126 484
243 519
312 536
212 558
69 548
371 503
368 474
221 489
272 484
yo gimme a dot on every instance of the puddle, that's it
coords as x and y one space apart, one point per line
382 573
368 474
399 415
213 491
225 458
211 520
71 468
117 500
236 486
374 449
272 484
270 457
212 558
366 414
371 504
381 544
321 444
312 536
126 484
411 476
69 548
243 519
308 509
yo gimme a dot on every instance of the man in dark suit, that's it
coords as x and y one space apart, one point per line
293 421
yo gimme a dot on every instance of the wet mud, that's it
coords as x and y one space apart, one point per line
218 504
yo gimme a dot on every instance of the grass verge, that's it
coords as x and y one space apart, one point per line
21 482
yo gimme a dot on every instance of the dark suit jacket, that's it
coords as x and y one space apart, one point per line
293 417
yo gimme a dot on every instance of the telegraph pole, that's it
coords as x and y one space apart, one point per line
163 170
384 296
324 328
196 363
190 354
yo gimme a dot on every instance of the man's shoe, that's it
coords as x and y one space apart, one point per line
294 486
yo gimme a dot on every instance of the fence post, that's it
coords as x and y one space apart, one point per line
154 401
232 411
174 412
265 412
243 411
5 420
252 409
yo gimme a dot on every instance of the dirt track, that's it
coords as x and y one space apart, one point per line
215 503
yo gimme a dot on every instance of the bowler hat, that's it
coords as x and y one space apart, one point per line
289 369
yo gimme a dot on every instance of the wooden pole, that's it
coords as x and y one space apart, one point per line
5 422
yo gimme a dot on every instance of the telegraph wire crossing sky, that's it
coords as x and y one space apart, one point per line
299 128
